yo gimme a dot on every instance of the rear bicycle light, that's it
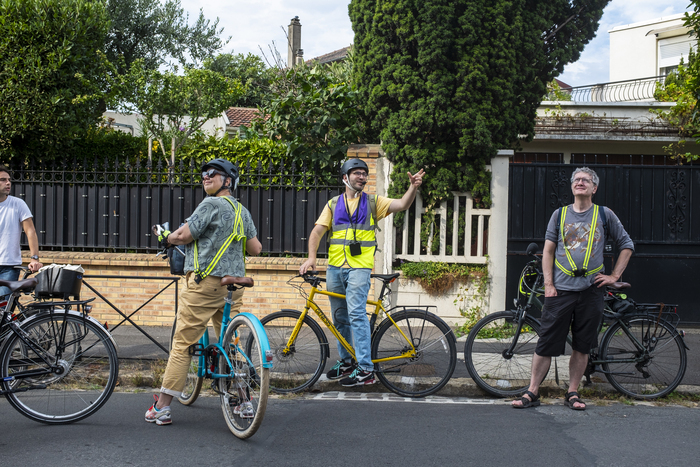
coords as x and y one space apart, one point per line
269 354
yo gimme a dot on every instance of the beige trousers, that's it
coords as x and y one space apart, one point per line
198 304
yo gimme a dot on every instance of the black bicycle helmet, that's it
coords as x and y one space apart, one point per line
352 164
228 168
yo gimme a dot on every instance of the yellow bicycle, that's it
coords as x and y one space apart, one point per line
413 350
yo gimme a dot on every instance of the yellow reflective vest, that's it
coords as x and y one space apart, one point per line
346 229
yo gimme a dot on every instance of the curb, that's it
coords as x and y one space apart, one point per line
466 387
455 387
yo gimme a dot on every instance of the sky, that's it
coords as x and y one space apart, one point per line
326 27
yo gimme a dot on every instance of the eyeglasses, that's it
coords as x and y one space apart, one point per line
210 173
360 174
582 180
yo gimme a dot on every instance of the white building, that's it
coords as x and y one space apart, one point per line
648 48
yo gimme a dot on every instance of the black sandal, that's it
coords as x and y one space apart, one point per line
534 401
572 398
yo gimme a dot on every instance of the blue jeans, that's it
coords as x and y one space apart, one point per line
350 315
7 273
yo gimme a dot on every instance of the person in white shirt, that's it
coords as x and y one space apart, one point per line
15 216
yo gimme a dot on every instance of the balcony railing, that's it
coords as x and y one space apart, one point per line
617 91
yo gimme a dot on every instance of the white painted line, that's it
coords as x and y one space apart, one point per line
384 397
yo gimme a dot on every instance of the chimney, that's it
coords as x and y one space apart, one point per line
294 41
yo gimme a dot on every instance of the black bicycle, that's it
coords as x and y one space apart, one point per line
641 352
57 364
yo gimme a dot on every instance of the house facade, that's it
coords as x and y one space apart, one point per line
648 48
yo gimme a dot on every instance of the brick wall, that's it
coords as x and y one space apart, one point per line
137 285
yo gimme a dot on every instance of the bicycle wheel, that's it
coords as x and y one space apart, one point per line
303 365
193 384
82 368
244 396
435 359
658 366
485 354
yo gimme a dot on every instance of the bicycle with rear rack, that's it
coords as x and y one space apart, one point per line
57 364
414 351
641 352
238 365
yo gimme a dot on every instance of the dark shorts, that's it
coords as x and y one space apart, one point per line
582 311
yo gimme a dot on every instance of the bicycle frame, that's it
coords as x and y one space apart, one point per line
311 305
203 371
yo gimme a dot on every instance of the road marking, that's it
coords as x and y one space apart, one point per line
385 397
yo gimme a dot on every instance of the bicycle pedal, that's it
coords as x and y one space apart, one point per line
196 350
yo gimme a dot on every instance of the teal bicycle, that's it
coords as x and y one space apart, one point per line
238 364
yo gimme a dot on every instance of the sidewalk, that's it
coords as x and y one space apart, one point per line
135 346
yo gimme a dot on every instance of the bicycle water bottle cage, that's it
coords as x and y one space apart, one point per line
196 350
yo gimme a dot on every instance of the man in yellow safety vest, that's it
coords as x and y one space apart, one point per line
352 219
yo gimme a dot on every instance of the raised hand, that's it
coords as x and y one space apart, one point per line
417 179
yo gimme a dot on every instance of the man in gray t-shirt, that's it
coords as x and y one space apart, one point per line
574 284
218 219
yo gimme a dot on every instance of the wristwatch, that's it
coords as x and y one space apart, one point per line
35 257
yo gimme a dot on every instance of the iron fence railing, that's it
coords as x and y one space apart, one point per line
617 91
111 206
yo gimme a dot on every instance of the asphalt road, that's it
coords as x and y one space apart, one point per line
379 430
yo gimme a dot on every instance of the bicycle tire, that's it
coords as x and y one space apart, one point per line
654 375
252 380
193 383
484 354
89 363
436 359
304 365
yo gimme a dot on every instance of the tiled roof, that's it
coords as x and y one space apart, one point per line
562 85
330 57
241 116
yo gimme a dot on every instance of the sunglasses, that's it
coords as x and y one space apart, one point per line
210 173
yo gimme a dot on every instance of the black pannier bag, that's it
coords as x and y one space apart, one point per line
177 260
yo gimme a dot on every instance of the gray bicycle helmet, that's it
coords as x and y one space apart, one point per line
352 164
228 168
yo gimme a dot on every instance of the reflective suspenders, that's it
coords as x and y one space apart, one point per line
237 235
575 271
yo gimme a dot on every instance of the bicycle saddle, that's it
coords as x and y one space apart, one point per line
239 281
620 285
19 285
385 277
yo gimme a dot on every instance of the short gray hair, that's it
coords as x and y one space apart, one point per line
587 171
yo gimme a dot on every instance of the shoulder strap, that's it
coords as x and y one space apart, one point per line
373 209
333 203
604 218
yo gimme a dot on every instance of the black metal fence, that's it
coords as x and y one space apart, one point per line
111 206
